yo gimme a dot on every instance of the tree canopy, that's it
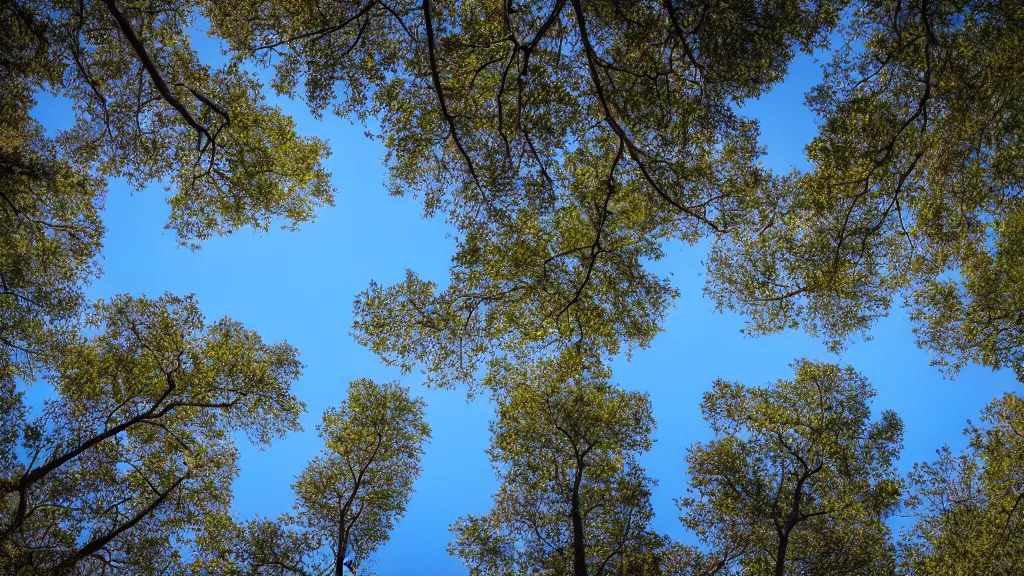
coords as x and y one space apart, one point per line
347 498
50 229
913 193
799 479
136 448
914 190
573 498
352 494
563 142
968 506
145 109
566 144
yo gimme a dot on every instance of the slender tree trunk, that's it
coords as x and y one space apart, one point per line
579 547
780 555
791 521
339 559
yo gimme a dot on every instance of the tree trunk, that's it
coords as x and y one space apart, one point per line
339 559
579 548
791 521
780 555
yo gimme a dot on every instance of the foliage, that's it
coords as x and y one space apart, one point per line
348 498
136 447
969 506
353 493
50 229
257 546
562 142
915 190
798 479
566 143
573 498
148 110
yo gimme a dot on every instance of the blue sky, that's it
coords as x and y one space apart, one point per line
299 287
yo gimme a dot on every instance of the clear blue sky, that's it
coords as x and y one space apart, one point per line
299 287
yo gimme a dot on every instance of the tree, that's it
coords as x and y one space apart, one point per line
914 191
136 448
573 498
567 141
347 498
968 507
564 141
146 109
50 235
50 229
798 479
351 495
